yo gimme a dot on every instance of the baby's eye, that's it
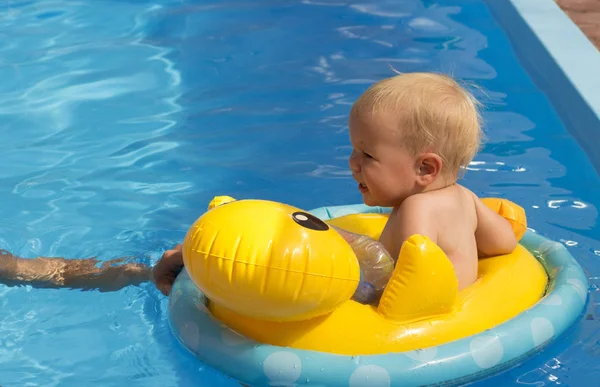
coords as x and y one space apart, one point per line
368 155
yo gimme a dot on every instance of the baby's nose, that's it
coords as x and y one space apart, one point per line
353 162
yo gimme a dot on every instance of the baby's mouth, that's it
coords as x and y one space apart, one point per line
363 188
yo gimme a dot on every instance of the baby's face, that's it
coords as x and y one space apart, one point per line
385 170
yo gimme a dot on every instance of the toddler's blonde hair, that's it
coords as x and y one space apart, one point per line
434 114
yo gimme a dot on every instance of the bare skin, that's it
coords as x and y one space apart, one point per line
82 274
457 221
167 269
425 198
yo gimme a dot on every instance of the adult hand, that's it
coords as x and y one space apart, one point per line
167 269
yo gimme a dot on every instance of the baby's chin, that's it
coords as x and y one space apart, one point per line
370 201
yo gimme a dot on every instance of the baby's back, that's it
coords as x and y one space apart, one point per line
449 217
456 218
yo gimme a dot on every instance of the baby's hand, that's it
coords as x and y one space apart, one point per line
167 269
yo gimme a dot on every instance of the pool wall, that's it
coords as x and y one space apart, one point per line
560 60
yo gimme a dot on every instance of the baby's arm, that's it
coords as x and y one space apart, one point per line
70 273
494 234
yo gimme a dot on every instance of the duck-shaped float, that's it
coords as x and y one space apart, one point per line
278 277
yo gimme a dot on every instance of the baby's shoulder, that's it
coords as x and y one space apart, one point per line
416 204
467 195
420 208
450 200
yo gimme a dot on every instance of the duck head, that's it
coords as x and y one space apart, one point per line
269 260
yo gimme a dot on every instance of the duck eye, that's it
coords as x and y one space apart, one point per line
309 221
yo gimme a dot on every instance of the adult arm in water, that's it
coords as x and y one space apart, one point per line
167 268
83 274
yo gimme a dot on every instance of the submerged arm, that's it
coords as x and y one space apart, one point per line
71 273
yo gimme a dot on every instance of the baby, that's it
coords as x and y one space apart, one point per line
412 134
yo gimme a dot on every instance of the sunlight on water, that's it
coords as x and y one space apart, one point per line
120 120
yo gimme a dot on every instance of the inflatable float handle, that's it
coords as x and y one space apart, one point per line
423 284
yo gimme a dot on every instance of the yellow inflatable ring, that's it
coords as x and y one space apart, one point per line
420 307
510 322
280 277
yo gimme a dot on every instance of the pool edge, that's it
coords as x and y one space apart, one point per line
560 60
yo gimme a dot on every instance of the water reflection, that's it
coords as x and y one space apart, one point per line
122 119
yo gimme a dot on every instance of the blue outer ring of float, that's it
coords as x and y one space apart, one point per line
453 363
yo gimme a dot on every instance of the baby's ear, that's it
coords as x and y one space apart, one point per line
429 167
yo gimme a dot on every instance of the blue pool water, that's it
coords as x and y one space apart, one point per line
120 120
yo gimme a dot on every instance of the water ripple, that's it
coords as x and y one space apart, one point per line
121 119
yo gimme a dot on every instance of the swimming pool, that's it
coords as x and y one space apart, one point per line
122 119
